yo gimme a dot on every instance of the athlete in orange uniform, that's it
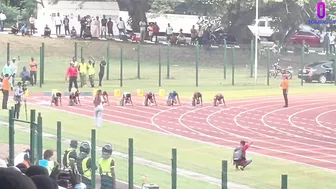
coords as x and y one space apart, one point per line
197 99
219 99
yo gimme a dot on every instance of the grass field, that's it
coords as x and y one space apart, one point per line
265 172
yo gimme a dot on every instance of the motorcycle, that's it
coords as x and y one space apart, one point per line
277 70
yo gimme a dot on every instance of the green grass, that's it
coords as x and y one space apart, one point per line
264 173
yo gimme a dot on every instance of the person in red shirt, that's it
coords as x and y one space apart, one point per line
72 74
156 30
244 162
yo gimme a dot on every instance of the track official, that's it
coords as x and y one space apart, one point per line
284 85
106 168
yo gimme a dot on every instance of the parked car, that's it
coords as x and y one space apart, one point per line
321 71
312 39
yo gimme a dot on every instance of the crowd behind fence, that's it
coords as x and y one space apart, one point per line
36 150
156 63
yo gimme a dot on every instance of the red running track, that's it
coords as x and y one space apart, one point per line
304 133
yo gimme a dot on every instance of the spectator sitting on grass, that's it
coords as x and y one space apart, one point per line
87 33
47 31
173 39
181 38
24 29
73 32
14 29
25 74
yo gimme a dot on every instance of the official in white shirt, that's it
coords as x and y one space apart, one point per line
58 24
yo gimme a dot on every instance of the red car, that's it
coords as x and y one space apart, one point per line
311 38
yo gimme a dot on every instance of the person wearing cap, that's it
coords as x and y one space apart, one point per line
284 85
70 155
106 168
72 74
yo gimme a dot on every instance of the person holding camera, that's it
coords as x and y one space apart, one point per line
18 97
70 155
84 163
106 168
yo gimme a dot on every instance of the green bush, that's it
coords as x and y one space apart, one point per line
11 13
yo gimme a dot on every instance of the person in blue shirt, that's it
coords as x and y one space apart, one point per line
173 98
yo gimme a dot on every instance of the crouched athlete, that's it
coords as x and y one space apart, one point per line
74 97
219 99
56 99
197 99
126 99
106 98
173 98
149 99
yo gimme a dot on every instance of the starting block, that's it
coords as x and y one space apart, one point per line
94 92
162 93
117 92
140 92
26 94
53 91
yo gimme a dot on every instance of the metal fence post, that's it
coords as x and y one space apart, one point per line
8 52
268 64
284 182
121 66
41 67
59 142
225 57
81 54
168 61
75 54
130 164
11 141
224 175
233 65
174 169
138 67
93 158
160 67
39 137
302 61
43 62
32 136
334 71
252 58
108 61
197 62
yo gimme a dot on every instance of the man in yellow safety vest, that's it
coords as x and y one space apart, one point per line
70 155
91 71
106 168
82 68
84 164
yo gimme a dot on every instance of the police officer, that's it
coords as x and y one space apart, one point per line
84 163
106 168
70 155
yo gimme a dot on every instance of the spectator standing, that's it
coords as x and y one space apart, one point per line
33 71
47 162
103 26
326 43
107 169
72 74
150 31
200 35
193 33
19 20
121 27
83 26
169 32
96 28
332 43
101 71
82 67
3 18
110 28
5 91
70 155
156 30
7 69
18 97
91 71
14 66
88 22
58 24
32 24
66 23
143 26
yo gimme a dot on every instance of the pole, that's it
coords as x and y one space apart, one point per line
59 142
121 67
108 61
130 164
168 61
284 182
334 71
138 68
93 158
197 62
81 54
174 169
256 44
75 55
43 62
225 57
224 175
39 137
233 65
11 137
32 136
160 67
302 62
8 52
268 63
252 58
41 67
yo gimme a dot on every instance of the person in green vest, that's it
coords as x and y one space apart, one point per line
47 162
84 163
82 68
106 168
91 71
70 155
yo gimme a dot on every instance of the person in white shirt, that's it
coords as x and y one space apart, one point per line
58 24
169 32
143 27
332 43
98 102
121 27
14 66
3 18
32 24
18 96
